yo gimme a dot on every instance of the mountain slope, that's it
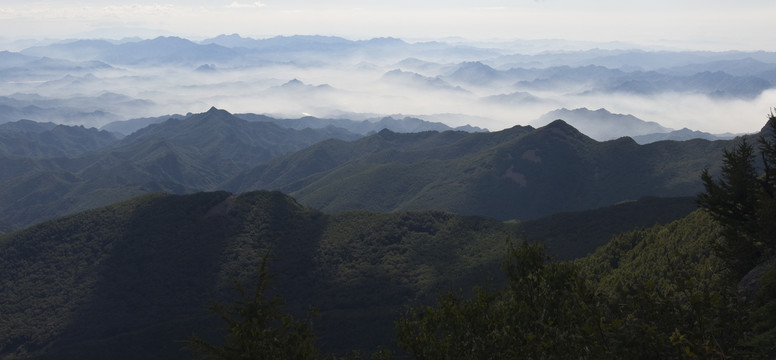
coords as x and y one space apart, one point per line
131 279
290 172
27 138
518 173
680 135
177 156
228 144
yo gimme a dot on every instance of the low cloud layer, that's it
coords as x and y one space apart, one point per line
333 77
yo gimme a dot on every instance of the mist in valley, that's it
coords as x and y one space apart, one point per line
188 158
93 83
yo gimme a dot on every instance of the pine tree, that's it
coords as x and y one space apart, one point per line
744 202
733 202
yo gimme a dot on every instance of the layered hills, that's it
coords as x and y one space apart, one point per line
603 125
114 241
176 156
517 173
94 82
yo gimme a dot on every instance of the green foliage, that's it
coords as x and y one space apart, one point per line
139 274
546 311
256 328
667 288
370 265
573 235
518 173
744 202
70 169
732 201
653 293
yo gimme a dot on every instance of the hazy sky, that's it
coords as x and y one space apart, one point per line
707 24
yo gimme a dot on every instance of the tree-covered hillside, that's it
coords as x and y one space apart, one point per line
25 138
68 169
139 274
659 292
131 279
518 173
701 287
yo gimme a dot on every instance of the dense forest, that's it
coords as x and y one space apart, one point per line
218 275
701 287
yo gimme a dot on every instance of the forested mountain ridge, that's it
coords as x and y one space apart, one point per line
177 156
25 138
134 274
701 287
227 144
517 173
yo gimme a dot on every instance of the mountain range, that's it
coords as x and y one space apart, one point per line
518 173
94 82
176 156
603 125
118 227
399 123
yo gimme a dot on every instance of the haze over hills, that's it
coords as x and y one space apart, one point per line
292 76
601 124
375 173
397 123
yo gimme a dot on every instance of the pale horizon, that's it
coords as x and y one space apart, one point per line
511 27
692 25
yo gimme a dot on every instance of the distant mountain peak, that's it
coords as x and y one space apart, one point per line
293 82
215 113
560 124
602 124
